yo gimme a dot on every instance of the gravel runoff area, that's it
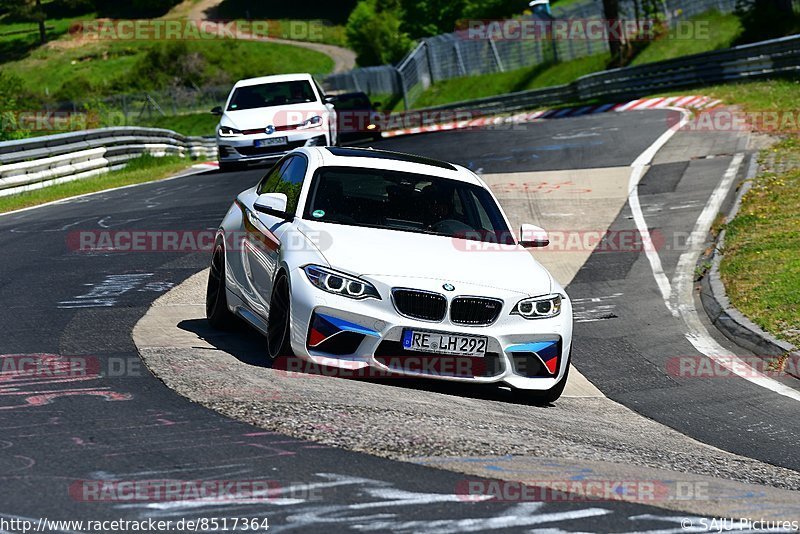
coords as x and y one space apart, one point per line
471 430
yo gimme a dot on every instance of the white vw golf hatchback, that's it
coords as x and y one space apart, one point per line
358 258
266 117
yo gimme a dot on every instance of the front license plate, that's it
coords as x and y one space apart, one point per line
422 341
272 141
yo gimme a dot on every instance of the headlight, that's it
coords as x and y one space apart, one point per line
340 284
538 307
227 131
316 120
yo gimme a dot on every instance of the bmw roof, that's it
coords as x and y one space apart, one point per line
350 152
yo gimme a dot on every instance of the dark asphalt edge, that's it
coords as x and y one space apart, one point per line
190 171
732 323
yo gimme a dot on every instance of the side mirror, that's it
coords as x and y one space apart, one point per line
217 110
272 204
329 99
533 236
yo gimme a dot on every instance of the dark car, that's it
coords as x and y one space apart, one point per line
357 118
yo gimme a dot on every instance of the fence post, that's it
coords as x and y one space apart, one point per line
459 59
402 88
430 62
496 56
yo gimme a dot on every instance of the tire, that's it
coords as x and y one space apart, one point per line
227 166
548 396
278 324
217 312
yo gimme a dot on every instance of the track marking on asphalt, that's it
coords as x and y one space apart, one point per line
682 298
678 296
637 171
591 309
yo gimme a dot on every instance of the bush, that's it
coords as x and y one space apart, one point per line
11 90
373 32
169 64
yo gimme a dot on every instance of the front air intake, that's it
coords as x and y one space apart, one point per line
475 311
422 305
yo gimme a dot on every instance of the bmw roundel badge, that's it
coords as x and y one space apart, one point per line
449 287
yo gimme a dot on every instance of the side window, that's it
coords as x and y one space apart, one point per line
319 90
286 178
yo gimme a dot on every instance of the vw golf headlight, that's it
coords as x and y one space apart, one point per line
340 283
314 121
538 307
227 131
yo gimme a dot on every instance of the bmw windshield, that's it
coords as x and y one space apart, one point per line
391 200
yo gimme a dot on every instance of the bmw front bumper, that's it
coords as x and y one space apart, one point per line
352 335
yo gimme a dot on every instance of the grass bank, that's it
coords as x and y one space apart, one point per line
143 169
761 261
63 72
536 77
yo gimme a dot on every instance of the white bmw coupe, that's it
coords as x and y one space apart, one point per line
358 258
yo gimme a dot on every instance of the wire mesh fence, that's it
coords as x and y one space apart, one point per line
457 54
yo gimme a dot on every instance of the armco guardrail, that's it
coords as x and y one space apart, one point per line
33 163
763 59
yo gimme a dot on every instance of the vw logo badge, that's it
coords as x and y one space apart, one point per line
449 287
269 130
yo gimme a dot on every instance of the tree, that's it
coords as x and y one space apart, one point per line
611 14
26 11
373 31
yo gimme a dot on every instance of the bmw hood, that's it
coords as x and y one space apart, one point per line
372 252
250 119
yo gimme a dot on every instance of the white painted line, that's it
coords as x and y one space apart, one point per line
678 297
637 171
683 298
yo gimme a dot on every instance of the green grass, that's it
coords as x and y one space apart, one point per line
761 262
143 169
539 76
15 45
102 69
315 31
768 95
191 124
703 33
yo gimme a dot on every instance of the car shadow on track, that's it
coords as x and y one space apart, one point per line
248 346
